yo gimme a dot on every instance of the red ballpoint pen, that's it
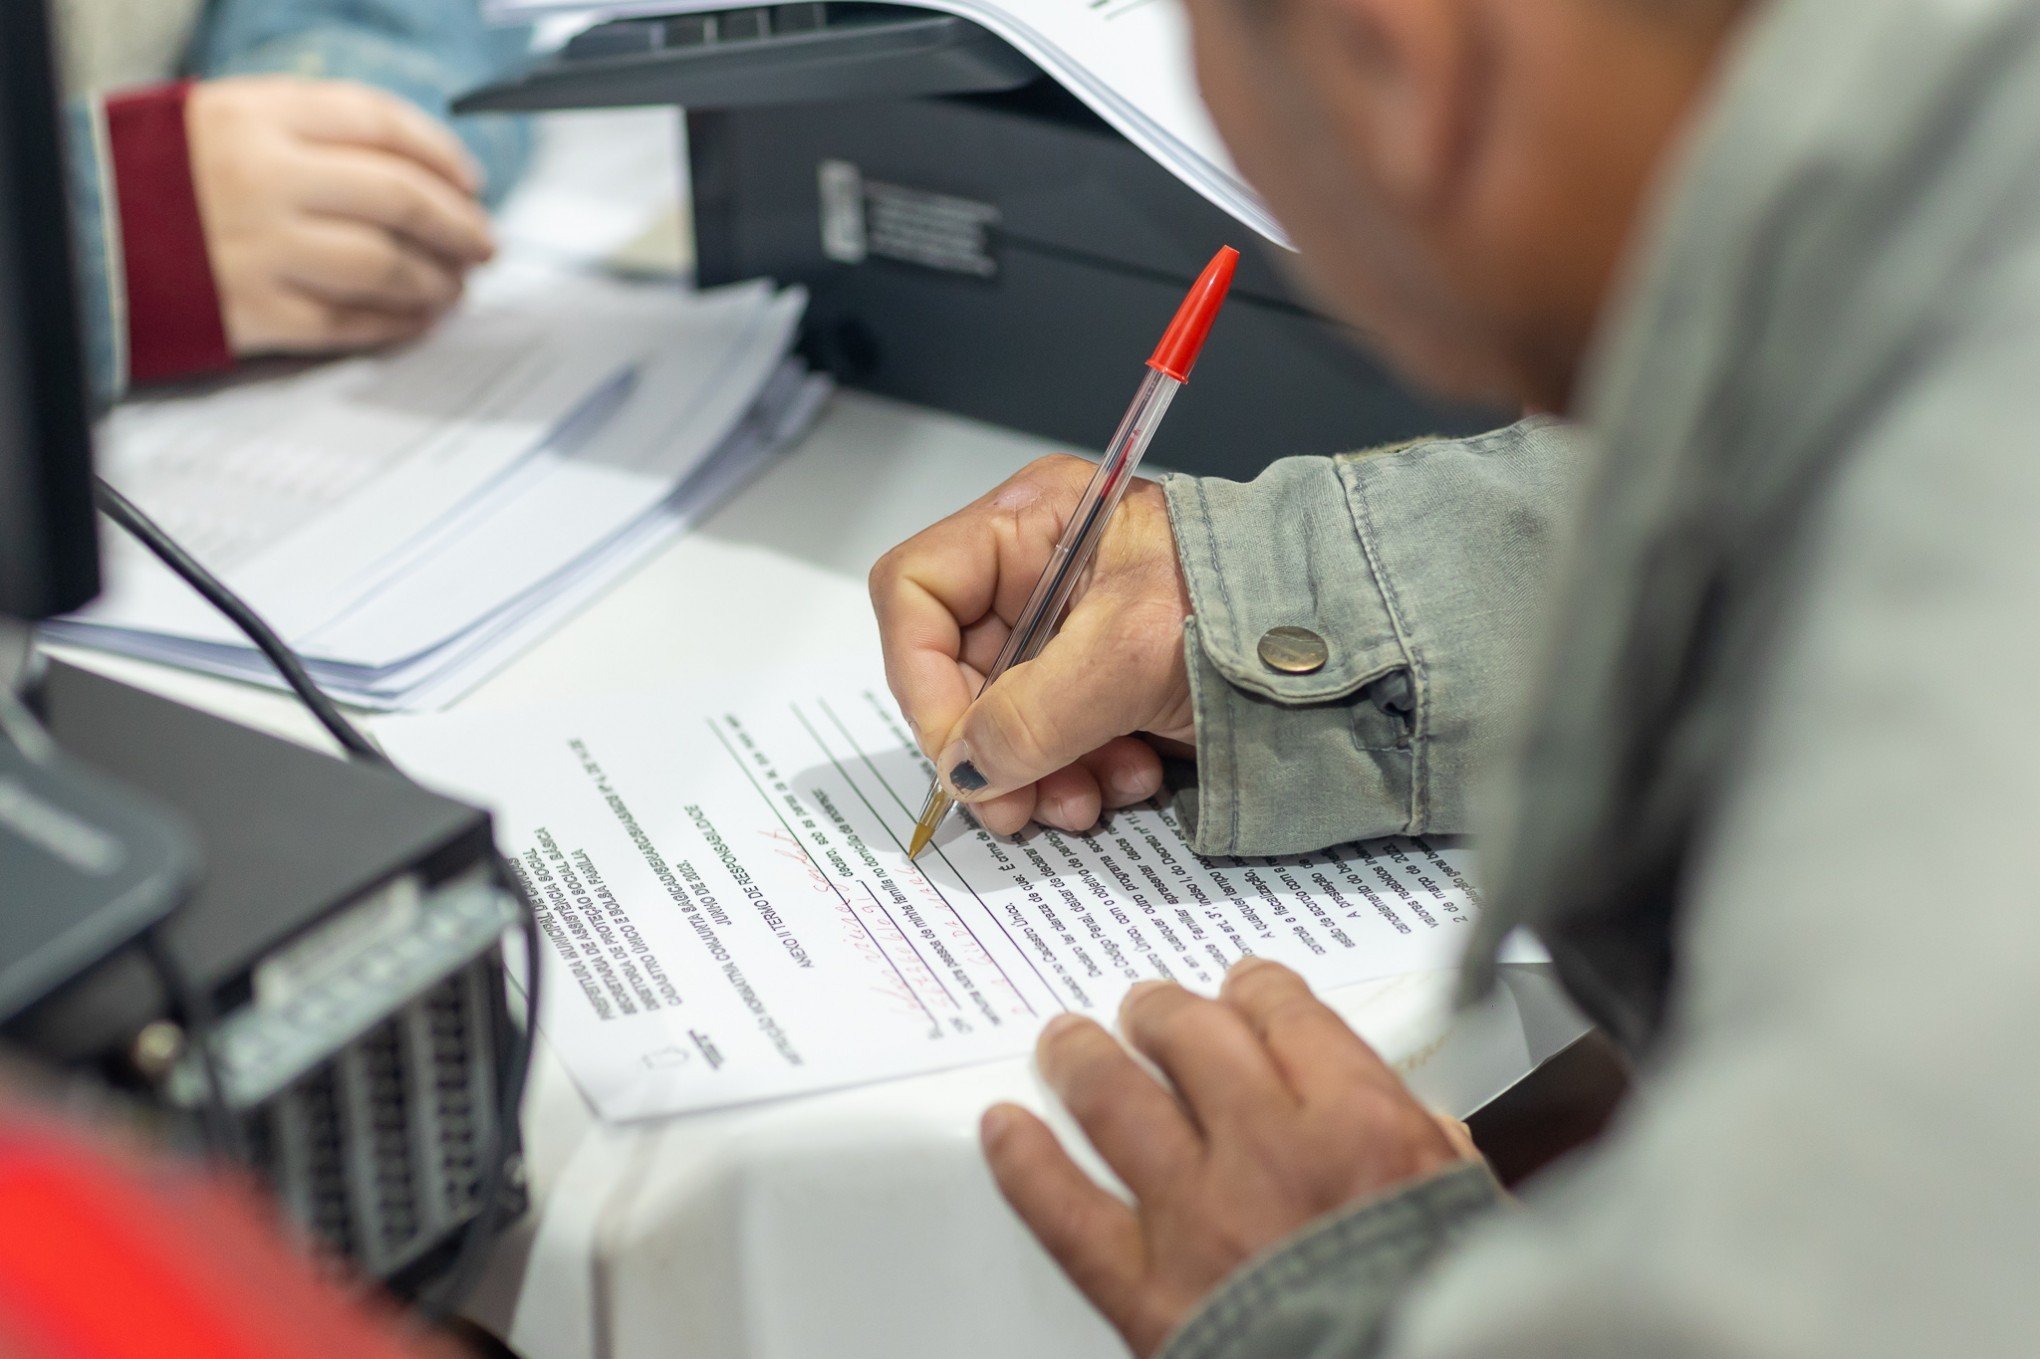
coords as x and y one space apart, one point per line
1168 370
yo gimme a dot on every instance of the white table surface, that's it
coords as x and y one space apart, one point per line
859 1222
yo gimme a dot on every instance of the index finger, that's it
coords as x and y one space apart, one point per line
1136 1125
1316 1051
395 194
358 115
980 562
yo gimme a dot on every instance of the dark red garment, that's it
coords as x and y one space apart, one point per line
108 1257
173 308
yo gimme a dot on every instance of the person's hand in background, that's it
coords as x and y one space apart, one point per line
336 216
1054 740
1275 1114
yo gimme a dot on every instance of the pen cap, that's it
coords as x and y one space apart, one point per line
1177 354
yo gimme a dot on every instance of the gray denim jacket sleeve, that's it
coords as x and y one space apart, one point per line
1422 567
1326 1293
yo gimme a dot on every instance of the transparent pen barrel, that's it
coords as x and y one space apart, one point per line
1093 516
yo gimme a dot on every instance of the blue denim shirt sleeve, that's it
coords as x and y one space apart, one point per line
1423 568
427 51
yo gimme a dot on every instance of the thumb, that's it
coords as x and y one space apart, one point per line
1095 680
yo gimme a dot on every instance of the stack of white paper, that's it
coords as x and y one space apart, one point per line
1128 59
730 913
409 521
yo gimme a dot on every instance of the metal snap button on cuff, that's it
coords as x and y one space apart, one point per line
1294 651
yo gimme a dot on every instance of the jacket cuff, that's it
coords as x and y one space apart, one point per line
174 327
1420 568
1324 1294
1283 552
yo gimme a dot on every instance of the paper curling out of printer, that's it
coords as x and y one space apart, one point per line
864 219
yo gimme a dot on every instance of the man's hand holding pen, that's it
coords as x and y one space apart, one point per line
1057 740
1028 764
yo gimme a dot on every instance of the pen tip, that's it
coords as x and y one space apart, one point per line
922 835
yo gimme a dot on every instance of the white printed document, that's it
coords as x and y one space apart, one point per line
729 913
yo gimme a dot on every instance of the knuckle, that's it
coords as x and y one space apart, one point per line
1061 1221
1061 466
1186 1025
1139 1009
413 208
328 320
885 573
1254 976
1095 1094
1155 1011
1287 1011
1077 1059
365 102
386 116
1250 981
1363 1108
1055 1045
369 251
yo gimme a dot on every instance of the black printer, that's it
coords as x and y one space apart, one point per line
972 237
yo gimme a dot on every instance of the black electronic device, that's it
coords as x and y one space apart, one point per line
346 940
971 236
49 558
300 956
87 868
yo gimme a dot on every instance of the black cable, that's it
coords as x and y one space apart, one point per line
151 535
193 1011
514 1073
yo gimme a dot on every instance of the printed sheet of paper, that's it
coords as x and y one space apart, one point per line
1128 59
730 915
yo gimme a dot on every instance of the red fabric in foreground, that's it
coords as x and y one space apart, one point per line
103 1259
174 325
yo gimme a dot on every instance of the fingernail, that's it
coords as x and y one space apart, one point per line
1134 995
964 778
1134 783
996 1126
1060 1025
1141 988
